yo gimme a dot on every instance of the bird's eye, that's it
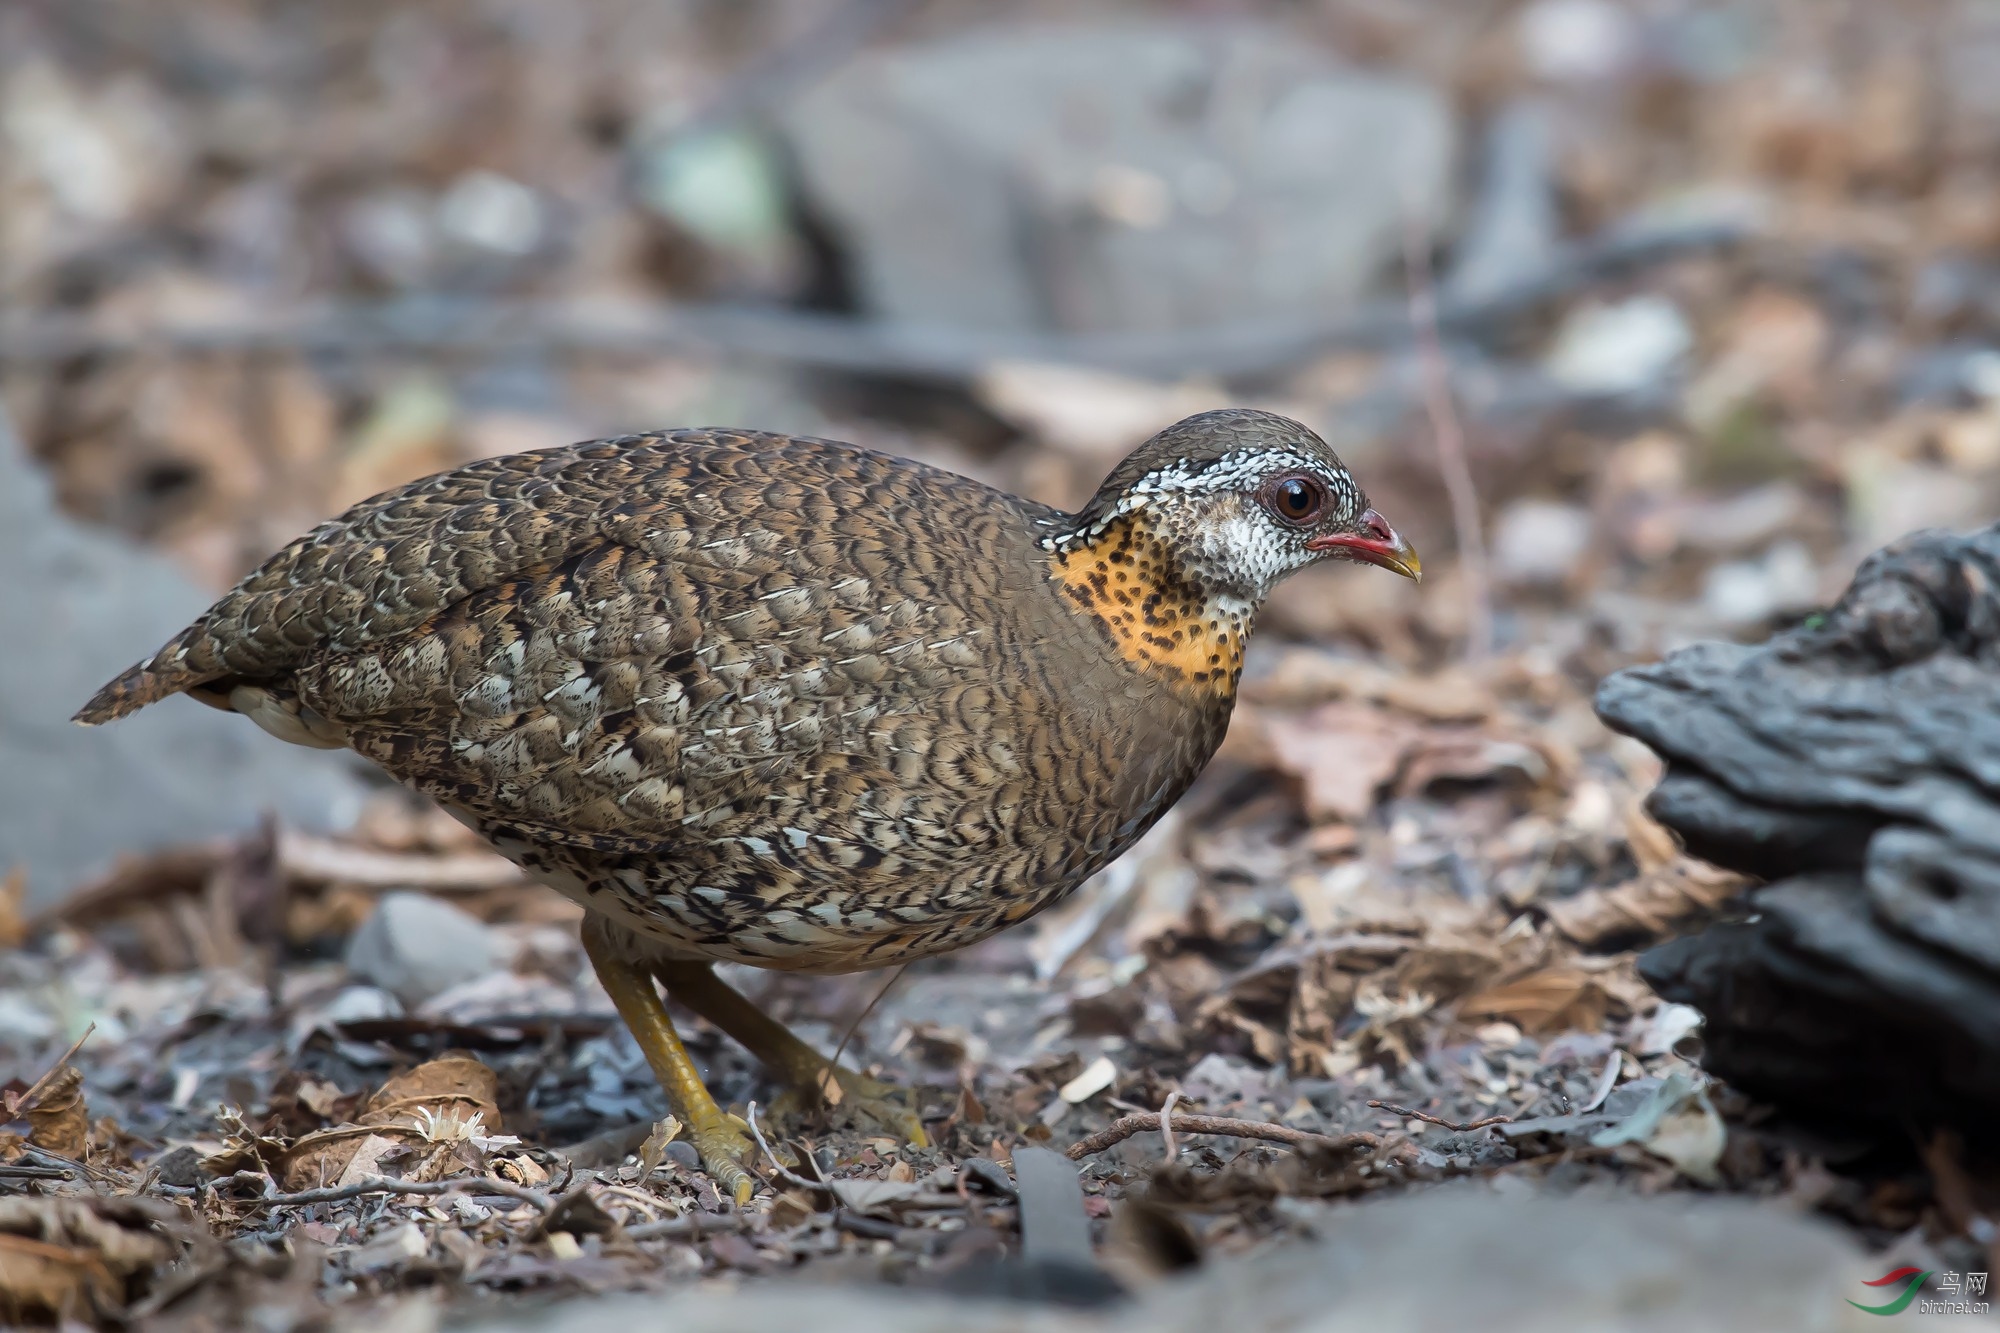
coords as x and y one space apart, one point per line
1297 499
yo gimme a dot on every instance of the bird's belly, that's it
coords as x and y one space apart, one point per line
735 900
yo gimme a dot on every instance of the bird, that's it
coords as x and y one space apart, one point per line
780 701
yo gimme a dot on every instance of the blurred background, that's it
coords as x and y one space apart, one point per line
1716 283
1644 319
261 260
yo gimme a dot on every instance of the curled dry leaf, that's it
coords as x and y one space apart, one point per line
59 1120
1648 906
654 1150
435 1109
1342 754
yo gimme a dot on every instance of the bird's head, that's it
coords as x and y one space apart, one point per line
1242 498
1189 534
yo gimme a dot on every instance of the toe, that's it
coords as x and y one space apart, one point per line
724 1151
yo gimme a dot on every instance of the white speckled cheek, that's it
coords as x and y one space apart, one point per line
1242 548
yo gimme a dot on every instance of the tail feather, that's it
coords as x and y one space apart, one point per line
134 688
164 673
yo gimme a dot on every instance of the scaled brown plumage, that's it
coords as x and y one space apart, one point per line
773 700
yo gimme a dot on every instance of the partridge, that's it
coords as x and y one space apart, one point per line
780 701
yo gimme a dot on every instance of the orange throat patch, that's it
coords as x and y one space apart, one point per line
1158 617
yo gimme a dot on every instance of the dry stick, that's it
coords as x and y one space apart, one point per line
842 342
305 857
691 1226
1167 1126
826 1076
1457 473
1429 1119
1141 1122
385 1185
785 1173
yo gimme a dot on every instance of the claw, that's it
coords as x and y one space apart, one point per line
724 1148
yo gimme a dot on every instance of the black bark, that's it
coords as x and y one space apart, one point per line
1854 763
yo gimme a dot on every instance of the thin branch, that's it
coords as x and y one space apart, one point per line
1452 464
1142 1122
323 860
1429 1119
691 1226
785 1173
828 1084
385 1185
437 325
1167 1125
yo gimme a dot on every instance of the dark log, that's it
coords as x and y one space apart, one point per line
1854 762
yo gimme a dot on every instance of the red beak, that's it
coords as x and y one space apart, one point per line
1376 543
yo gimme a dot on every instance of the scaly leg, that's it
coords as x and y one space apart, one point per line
720 1140
869 1101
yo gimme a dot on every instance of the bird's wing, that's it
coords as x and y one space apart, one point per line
618 641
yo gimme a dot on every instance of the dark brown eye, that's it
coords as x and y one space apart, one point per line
1297 499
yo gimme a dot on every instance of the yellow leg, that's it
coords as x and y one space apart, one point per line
867 1100
719 1138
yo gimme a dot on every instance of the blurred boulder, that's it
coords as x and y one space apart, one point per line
1514 224
1125 178
415 946
77 606
1855 761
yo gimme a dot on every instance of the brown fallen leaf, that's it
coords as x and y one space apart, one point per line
654 1150
431 1110
59 1120
39 1281
1463 754
1560 997
80 1258
1645 907
1342 755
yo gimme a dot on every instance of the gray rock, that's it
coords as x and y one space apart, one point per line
415 946
1448 1260
77 606
1142 177
1513 227
1856 761
1540 542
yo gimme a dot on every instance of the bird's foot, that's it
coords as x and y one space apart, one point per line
726 1151
856 1100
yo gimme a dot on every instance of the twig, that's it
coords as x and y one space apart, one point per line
1141 1122
20 1106
385 1185
1457 473
691 1226
785 1173
179 871
1167 1125
436 326
15 1171
826 1076
322 860
1429 1119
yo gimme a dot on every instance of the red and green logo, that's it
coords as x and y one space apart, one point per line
1913 1282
